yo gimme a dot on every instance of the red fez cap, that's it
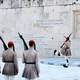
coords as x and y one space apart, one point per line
31 43
10 44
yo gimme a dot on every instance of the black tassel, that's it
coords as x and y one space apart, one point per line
55 51
13 48
58 53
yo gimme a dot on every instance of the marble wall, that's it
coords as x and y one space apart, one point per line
46 25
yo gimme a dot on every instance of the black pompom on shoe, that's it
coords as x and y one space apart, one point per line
65 66
55 51
67 60
58 53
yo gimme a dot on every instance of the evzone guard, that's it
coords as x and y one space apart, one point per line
9 57
65 50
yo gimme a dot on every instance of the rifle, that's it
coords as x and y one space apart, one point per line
24 42
67 38
4 44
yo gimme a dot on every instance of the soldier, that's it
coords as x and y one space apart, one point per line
66 51
9 57
30 58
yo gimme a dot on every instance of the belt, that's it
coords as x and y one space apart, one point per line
30 62
9 61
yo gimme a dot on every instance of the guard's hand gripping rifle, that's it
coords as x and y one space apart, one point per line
67 38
